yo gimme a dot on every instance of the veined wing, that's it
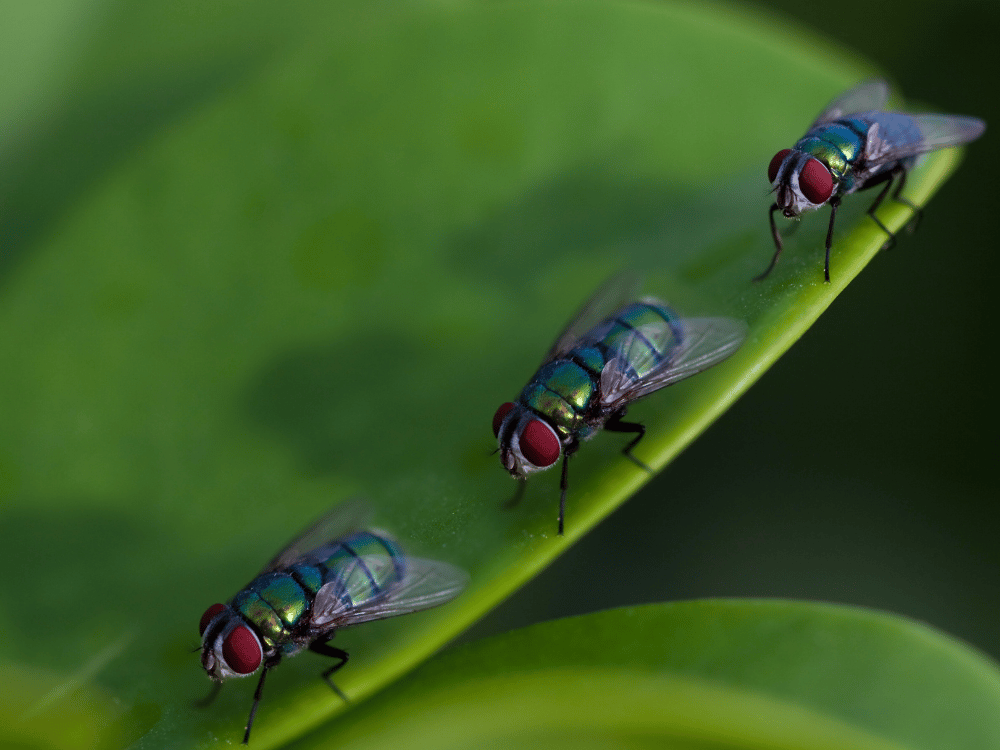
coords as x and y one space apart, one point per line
936 131
425 584
864 97
705 342
610 296
344 518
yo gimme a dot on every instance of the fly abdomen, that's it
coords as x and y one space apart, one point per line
308 576
363 566
637 335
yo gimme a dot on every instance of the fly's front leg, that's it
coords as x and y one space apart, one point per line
563 483
777 246
256 697
615 424
325 649
834 205
568 450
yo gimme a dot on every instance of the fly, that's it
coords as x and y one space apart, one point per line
853 145
612 353
336 573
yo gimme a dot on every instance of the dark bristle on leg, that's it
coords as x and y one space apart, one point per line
777 245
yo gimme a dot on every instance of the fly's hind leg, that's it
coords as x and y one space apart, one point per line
897 196
895 176
325 649
615 424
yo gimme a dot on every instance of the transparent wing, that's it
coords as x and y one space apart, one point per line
864 97
941 131
346 517
426 584
705 342
935 131
611 295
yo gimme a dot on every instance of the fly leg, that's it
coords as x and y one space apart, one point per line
256 698
562 492
568 451
777 246
615 424
918 213
325 649
834 204
897 175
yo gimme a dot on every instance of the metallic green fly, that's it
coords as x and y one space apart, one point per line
335 574
612 353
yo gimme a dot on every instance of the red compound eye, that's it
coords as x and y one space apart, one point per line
539 443
209 615
816 182
241 650
498 418
775 165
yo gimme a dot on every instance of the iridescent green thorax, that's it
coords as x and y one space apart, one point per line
837 144
564 389
273 603
561 391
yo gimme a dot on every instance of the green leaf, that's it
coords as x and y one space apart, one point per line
733 674
294 257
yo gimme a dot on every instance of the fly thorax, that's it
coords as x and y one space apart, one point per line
838 145
561 391
273 603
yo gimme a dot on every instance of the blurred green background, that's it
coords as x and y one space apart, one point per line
861 469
